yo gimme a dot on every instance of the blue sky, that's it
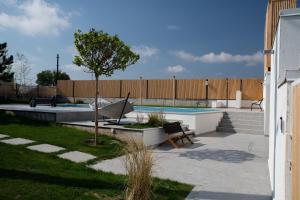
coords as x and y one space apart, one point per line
188 39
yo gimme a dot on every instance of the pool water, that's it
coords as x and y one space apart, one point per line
171 109
151 108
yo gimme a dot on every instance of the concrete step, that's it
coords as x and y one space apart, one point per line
258 114
243 121
243 126
241 130
244 117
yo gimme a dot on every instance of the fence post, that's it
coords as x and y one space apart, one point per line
38 91
174 90
73 87
17 90
206 92
141 79
227 92
241 88
147 92
120 95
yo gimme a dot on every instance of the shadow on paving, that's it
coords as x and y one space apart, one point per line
230 156
225 196
216 134
167 146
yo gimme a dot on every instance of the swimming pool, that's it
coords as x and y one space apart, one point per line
171 109
150 108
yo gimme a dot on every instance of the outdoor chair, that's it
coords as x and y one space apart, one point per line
45 101
258 103
175 133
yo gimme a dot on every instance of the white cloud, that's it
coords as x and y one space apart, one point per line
145 52
36 17
175 69
222 57
173 27
72 67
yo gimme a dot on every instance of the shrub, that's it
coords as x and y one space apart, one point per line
138 163
154 119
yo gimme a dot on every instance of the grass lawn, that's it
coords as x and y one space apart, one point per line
70 138
26 174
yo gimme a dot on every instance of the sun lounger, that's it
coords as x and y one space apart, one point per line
116 111
258 103
175 133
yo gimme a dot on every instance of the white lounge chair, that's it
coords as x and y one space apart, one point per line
115 110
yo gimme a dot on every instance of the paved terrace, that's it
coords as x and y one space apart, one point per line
220 165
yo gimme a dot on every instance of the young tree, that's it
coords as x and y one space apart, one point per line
5 64
101 54
48 78
22 69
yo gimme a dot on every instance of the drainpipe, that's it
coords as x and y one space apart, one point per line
206 92
141 90
174 90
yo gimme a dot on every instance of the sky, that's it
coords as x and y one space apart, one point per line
189 39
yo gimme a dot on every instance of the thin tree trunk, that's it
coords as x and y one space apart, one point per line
96 111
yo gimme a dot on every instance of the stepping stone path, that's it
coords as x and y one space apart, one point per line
17 141
77 156
3 136
74 156
45 148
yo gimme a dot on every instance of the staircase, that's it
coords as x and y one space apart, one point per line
242 122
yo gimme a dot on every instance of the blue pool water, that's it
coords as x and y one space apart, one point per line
151 108
171 109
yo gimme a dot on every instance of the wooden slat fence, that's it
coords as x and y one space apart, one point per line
26 91
190 89
164 89
160 89
7 90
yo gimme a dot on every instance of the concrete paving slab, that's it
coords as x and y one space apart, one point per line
45 148
17 141
77 156
218 164
3 136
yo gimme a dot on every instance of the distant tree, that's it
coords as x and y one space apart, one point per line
61 76
5 64
101 54
48 78
22 69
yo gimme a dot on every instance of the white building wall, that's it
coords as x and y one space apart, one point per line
286 56
280 135
266 102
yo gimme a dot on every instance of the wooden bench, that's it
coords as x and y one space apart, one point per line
45 101
175 133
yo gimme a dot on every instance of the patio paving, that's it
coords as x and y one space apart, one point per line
220 165
45 148
77 156
3 136
17 141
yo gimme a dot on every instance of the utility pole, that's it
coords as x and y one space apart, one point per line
57 65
